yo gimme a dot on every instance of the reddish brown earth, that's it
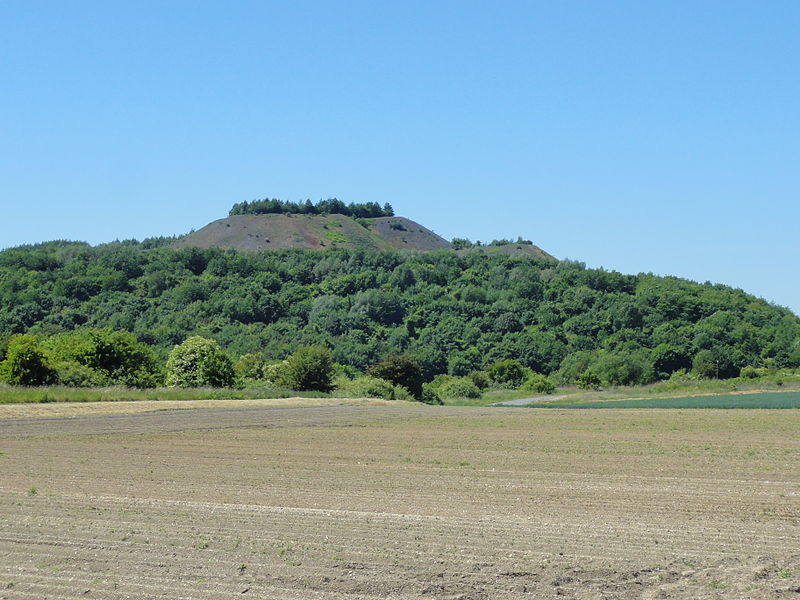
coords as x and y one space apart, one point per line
400 502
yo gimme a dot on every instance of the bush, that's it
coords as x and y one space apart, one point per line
430 395
481 379
197 362
459 388
310 368
402 370
74 374
588 381
25 363
538 383
249 366
365 387
87 357
623 368
749 372
401 393
507 373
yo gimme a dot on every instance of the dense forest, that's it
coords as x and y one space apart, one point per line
450 312
330 206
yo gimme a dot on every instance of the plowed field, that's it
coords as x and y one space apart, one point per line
400 501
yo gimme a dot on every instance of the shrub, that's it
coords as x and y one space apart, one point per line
310 368
749 372
507 373
623 368
430 395
481 379
199 361
25 363
538 383
400 369
588 381
365 387
77 375
401 393
87 357
249 366
459 388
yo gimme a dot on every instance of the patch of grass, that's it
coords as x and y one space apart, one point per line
36 395
335 237
490 397
716 584
32 492
769 400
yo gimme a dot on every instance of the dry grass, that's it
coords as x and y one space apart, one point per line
74 409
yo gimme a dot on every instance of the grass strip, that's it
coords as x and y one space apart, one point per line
770 400
37 395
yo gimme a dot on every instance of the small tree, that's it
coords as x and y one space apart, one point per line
588 381
199 361
249 366
509 373
538 383
25 363
459 388
310 368
400 369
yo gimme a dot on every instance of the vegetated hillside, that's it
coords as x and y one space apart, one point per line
451 312
313 232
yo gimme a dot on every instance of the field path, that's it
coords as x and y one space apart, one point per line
400 501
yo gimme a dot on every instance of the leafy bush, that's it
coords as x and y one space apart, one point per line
197 362
481 379
249 367
74 374
538 383
588 381
402 370
87 357
430 395
459 388
310 368
365 387
507 373
623 368
749 372
25 363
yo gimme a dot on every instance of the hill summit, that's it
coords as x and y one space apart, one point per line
280 225
313 232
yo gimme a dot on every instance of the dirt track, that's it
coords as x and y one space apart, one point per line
401 502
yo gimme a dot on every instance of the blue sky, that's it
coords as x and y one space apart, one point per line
639 136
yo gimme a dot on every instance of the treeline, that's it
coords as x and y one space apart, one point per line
364 210
450 314
461 243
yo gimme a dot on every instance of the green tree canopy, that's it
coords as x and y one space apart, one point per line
25 363
197 362
309 368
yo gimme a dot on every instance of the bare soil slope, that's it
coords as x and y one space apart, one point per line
364 502
313 232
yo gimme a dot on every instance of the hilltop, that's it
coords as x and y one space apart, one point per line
313 232
332 224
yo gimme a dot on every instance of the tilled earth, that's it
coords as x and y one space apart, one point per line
401 501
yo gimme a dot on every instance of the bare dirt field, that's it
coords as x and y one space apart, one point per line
400 501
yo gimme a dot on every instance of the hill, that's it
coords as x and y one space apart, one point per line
283 231
313 232
453 312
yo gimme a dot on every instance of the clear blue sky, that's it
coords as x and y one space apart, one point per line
637 135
